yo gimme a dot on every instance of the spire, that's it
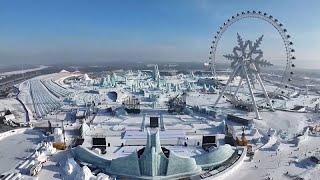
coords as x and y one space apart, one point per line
156 74
153 141
148 145
156 141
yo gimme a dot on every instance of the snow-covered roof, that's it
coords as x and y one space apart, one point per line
9 117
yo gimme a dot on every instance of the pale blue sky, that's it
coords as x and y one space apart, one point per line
54 31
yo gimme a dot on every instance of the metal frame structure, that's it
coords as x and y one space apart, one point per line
246 63
287 73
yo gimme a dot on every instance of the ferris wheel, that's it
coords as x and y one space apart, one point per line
248 68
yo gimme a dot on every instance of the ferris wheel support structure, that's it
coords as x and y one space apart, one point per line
287 73
242 69
246 61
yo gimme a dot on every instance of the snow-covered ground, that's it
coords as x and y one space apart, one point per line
16 147
15 107
286 163
277 157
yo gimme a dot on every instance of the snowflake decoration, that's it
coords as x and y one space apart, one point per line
247 55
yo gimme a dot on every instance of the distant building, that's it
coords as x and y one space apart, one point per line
238 119
229 137
9 117
132 105
81 113
155 73
208 81
177 104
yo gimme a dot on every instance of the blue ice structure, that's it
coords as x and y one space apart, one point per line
154 161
